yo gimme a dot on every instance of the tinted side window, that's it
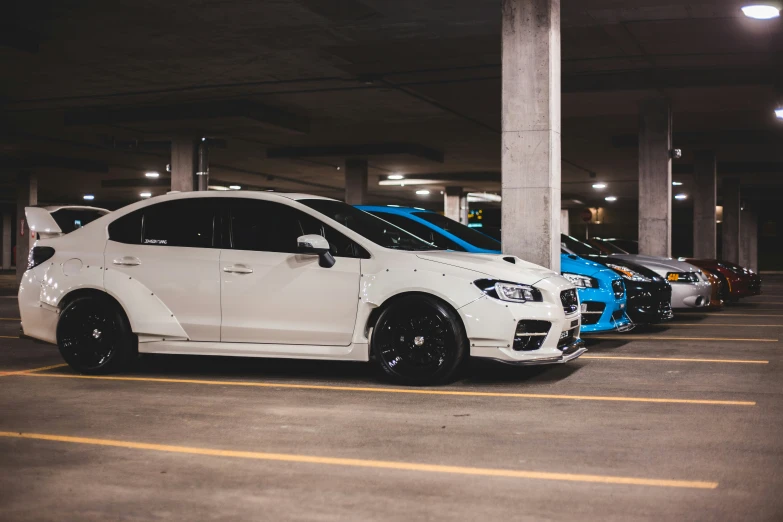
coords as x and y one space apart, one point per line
266 226
127 229
419 230
69 219
183 223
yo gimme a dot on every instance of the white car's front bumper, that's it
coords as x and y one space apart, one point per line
491 326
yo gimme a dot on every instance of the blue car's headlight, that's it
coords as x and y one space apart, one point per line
508 291
581 281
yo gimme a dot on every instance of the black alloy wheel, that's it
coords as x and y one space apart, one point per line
94 336
419 340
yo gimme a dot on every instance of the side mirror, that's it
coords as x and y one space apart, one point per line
318 245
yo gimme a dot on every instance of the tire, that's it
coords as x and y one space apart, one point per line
95 338
419 340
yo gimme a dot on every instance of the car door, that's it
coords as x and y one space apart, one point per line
272 294
172 249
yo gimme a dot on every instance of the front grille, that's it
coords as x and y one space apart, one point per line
570 301
566 339
592 312
618 288
530 335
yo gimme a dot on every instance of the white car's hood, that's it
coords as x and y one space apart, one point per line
495 266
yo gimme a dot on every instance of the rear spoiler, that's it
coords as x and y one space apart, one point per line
39 220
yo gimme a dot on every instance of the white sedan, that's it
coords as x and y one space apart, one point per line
258 274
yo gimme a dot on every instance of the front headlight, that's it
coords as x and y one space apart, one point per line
508 291
581 281
682 277
629 274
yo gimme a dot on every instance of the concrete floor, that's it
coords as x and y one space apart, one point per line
517 444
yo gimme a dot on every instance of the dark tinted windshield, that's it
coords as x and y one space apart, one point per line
375 229
607 246
69 219
577 247
465 233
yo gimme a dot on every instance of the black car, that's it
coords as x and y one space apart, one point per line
649 295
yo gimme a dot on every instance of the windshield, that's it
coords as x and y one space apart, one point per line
465 233
606 245
577 247
373 228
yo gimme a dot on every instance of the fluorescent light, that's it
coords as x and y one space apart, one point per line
217 187
396 206
145 194
676 183
152 174
395 176
89 197
403 182
779 113
422 192
681 196
235 187
761 12
483 197
610 198
599 185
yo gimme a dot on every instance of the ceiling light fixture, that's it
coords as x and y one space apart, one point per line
395 176
217 187
89 197
152 174
145 194
235 187
422 192
599 185
779 113
764 11
610 198
681 196
676 183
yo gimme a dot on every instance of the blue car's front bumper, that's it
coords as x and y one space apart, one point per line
601 311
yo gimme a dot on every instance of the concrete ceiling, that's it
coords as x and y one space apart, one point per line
92 91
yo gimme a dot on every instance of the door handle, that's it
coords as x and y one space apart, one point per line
238 269
127 261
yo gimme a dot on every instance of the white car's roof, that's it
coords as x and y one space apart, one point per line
251 194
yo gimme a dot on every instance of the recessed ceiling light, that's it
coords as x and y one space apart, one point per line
761 11
599 185
235 187
681 196
152 174
89 197
610 198
395 176
145 194
779 113
422 192
676 183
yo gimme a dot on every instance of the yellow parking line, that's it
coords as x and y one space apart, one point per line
669 338
10 318
9 337
375 464
24 372
721 314
410 391
629 358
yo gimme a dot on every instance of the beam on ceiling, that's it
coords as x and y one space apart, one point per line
18 38
42 160
211 110
666 79
727 137
737 167
354 151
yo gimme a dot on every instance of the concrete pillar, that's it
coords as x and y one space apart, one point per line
749 239
26 196
564 221
464 209
655 177
452 203
705 199
183 164
356 181
7 231
731 219
530 124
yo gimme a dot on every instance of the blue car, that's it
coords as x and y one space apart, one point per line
601 291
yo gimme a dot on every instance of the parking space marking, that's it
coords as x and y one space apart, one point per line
721 314
9 337
675 359
10 318
669 338
410 391
31 370
736 325
376 464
